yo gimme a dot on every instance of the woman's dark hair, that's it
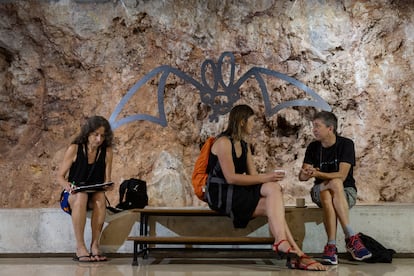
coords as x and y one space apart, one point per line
92 124
328 118
239 113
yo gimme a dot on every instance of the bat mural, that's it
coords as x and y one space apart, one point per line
210 93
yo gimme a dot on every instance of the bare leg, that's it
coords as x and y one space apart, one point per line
98 205
78 203
303 258
329 215
292 241
271 204
338 202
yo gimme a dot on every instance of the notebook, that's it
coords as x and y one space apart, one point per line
93 187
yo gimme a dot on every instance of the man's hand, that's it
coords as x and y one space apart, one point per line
308 172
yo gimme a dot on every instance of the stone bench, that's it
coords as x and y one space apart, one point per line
51 231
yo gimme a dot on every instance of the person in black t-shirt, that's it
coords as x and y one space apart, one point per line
236 189
330 160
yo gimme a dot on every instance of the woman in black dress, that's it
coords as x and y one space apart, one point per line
236 189
88 160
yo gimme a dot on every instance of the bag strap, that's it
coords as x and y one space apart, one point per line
122 190
107 201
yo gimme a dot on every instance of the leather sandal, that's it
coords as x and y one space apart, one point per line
298 264
284 254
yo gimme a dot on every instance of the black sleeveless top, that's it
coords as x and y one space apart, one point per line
235 201
240 163
81 173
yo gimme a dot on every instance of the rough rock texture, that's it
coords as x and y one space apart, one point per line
61 61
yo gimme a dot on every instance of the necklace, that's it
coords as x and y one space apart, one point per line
328 165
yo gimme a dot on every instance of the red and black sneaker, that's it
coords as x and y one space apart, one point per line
330 255
357 249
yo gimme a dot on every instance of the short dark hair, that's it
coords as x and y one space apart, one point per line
328 118
92 124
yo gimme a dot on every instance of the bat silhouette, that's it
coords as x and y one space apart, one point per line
209 94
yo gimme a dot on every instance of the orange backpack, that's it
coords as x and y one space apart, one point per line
200 173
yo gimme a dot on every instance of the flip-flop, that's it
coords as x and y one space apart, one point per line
99 258
79 259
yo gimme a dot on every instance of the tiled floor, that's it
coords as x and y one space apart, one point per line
188 267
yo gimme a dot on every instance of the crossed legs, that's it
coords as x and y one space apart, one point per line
335 207
271 205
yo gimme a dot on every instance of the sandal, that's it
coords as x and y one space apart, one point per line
99 258
82 259
281 254
298 264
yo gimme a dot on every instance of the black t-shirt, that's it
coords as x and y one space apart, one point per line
328 159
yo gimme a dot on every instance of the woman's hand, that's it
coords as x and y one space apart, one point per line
274 176
69 187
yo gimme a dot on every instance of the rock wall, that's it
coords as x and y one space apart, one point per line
62 61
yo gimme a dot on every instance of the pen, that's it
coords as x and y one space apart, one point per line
72 186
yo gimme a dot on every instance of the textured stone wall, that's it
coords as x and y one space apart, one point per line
62 61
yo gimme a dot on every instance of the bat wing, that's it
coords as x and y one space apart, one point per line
270 110
165 71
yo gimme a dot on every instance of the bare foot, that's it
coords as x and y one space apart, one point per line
307 263
97 255
82 252
99 258
82 255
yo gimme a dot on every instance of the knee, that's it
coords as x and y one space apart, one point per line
326 198
336 185
98 201
78 201
271 188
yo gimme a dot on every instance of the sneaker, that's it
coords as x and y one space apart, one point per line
357 249
330 255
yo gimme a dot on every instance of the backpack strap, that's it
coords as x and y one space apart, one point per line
220 181
122 190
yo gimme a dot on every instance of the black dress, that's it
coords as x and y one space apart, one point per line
235 201
82 173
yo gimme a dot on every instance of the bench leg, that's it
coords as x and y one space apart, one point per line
145 253
135 257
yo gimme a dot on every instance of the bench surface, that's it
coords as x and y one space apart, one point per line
201 240
198 211
184 211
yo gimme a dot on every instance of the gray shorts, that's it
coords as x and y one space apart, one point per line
350 195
